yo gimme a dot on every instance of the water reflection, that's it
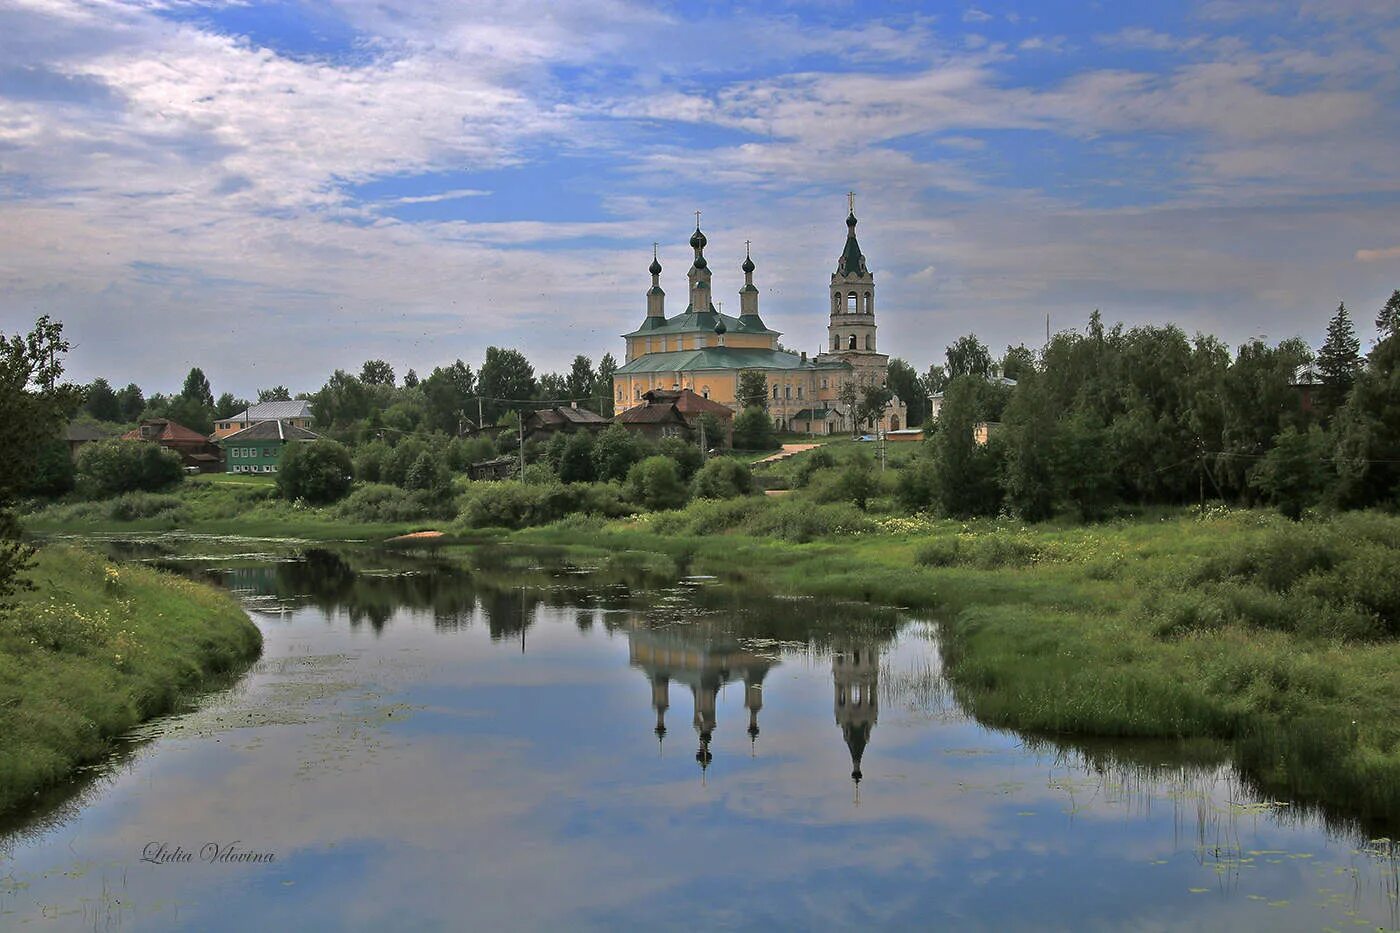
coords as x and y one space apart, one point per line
505 713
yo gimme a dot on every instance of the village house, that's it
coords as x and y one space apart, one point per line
544 423
259 448
77 435
196 451
296 412
676 413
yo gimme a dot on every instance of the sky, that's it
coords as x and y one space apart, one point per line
272 191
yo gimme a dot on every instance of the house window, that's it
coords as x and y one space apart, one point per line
787 392
799 393
824 385
836 303
775 393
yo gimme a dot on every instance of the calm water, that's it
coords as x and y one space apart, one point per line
506 740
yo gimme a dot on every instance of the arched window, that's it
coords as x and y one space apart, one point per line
775 392
869 303
799 396
851 303
894 422
836 302
835 341
852 344
869 341
619 393
787 392
636 392
705 391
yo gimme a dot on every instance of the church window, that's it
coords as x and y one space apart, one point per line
835 302
775 392
851 303
869 303
869 341
636 392
852 344
799 393
705 391
787 392
835 341
824 382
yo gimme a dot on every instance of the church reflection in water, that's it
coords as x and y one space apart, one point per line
705 658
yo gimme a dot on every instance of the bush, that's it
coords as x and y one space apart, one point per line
576 459
819 459
940 552
107 468
134 506
753 430
428 474
708 516
655 483
722 478
381 503
512 504
794 520
316 471
917 487
370 460
54 472
615 451
687 456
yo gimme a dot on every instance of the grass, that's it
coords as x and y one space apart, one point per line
96 648
1234 625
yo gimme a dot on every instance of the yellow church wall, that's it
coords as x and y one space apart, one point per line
641 346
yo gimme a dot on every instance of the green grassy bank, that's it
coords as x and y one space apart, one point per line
1281 637
96 648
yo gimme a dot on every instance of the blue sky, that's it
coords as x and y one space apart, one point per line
275 190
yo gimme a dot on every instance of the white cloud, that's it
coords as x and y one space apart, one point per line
1377 255
454 195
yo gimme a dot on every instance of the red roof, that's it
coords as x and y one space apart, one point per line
687 402
167 431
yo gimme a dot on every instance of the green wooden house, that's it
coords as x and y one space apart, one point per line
258 449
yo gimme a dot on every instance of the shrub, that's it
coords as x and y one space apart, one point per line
819 459
316 471
753 430
708 516
614 453
722 478
381 503
655 483
576 459
939 552
54 472
370 460
795 520
687 456
107 468
917 486
512 504
134 506
428 474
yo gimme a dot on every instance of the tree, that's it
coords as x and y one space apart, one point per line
410 380
197 388
1028 434
969 356
1388 321
849 397
870 408
687 455
101 402
576 459
54 472
192 413
934 381
857 482
343 399
603 387
131 401
506 379
722 478
1018 361
753 430
110 468
903 381
752 389
377 373
448 392
34 407
1292 474
274 394
227 406
967 472
427 474
581 381
1368 432
614 452
656 483
1083 473
318 472
1338 362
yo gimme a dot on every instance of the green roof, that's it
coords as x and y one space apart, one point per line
704 322
814 414
722 358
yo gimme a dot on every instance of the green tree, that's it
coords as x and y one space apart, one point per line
581 381
753 430
410 380
132 402
848 395
1028 434
342 400
1368 432
192 413
428 474
686 454
1338 362
110 468
603 387
101 402
752 390
968 356
576 459
870 408
1018 361
614 452
54 471
197 388
903 381
655 483
318 472
377 373
1292 475
1083 469
1388 320
722 478
227 406
448 392
274 394
934 381
505 379
857 482
966 471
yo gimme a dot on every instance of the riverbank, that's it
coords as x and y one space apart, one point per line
1236 625
96 648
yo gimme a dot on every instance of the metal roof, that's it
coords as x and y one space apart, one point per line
271 411
693 322
271 431
722 358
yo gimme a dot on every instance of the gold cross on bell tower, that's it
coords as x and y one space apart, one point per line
697 220
851 201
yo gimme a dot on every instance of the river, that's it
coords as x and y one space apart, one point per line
505 738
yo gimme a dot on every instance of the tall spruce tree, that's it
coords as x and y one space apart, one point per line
1338 362
1388 321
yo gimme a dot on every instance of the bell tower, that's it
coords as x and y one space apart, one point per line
851 330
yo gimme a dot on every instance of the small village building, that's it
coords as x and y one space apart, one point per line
676 413
77 435
259 448
296 412
495 468
196 451
547 422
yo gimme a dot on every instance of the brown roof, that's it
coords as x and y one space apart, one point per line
170 431
570 415
690 403
656 413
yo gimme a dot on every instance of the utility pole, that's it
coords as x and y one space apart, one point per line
520 422
480 418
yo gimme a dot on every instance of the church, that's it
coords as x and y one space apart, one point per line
706 351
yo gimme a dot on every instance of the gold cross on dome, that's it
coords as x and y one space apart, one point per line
697 220
851 201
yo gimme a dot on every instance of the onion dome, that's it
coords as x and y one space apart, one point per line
720 328
748 265
655 267
697 239
701 262
851 221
